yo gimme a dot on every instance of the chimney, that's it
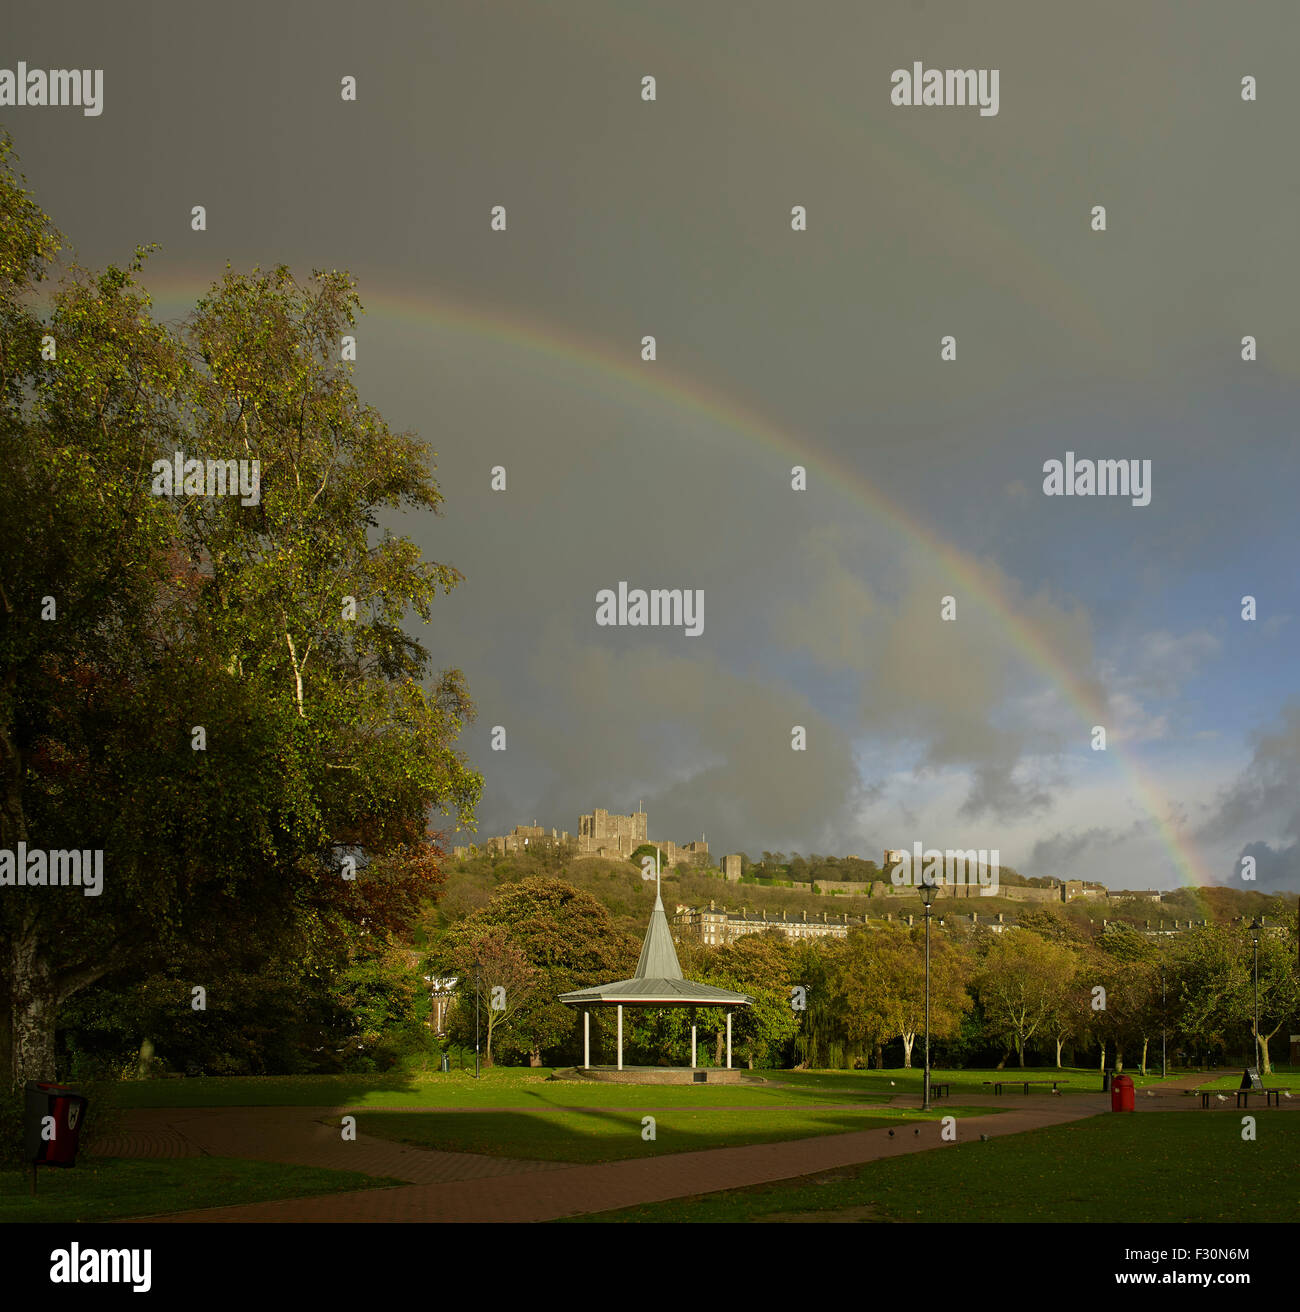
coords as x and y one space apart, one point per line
710 904
1001 918
805 915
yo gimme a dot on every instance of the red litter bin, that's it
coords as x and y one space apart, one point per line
53 1123
1121 1094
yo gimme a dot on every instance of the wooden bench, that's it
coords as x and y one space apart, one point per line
998 1084
943 1090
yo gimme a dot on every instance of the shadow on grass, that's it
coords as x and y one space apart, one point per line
585 1135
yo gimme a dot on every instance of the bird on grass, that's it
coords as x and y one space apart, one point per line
891 1134
891 1084
917 1132
984 1138
1220 1097
1056 1093
1150 1093
1287 1096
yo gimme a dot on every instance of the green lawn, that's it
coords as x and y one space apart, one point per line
1161 1166
609 1135
525 1087
110 1188
499 1087
1282 1077
889 1083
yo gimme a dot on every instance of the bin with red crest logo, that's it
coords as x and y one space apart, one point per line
53 1121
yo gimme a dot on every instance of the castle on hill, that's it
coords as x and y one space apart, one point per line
600 834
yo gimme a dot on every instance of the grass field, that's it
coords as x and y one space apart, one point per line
600 1135
112 1188
1157 1167
524 1087
1281 1078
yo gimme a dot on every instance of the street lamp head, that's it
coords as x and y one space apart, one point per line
1255 926
928 892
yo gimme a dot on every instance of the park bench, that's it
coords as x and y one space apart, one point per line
943 1090
1272 1096
998 1084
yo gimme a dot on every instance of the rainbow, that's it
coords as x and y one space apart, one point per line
619 372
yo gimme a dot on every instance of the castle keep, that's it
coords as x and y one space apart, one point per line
600 834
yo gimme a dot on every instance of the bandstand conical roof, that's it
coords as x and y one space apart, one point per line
658 978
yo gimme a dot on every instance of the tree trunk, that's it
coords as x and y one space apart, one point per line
1145 1044
1119 1059
1267 1067
33 1010
908 1041
718 1054
1102 1067
1059 1044
535 1057
1020 1051
879 1057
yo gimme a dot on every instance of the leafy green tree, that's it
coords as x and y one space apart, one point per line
900 966
567 938
757 965
866 1020
128 620
496 977
1018 985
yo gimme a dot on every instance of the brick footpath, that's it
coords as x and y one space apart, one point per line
297 1135
567 1190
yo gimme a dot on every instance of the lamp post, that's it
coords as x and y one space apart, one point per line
1163 1013
1255 927
478 973
928 891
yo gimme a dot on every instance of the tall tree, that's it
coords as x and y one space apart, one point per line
566 936
1018 985
131 621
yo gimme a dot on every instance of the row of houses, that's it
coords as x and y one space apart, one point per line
715 925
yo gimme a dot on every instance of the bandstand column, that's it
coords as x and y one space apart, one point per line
728 1040
620 1036
586 1040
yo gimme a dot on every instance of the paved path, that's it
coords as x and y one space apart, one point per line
298 1135
567 1190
